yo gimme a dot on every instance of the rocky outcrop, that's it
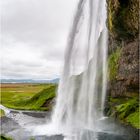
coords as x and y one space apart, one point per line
123 18
126 81
123 84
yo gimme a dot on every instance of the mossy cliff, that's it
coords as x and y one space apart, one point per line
123 84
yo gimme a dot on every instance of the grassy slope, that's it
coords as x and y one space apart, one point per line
28 96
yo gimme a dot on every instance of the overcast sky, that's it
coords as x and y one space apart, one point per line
33 37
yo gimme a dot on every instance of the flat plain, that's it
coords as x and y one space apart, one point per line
26 96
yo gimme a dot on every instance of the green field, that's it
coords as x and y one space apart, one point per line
28 96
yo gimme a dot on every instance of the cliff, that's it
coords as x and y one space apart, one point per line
123 61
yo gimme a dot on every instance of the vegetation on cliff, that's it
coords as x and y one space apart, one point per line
123 91
113 64
129 112
126 109
123 17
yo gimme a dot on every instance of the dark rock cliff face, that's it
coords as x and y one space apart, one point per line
126 80
123 25
123 18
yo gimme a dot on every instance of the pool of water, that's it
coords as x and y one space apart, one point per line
24 125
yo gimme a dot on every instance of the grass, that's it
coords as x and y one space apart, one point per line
129 112
126 109
2 113
133 119
27 96
10 92
113 63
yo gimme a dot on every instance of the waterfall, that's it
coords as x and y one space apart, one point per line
82 87
78 113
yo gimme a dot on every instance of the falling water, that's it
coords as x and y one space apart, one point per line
82 87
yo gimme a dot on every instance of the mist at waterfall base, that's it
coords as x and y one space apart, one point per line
82 88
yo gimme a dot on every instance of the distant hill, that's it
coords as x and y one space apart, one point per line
56 80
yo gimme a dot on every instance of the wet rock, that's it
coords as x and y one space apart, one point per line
8 124
55 137
129 65
38 114
123 18
127 79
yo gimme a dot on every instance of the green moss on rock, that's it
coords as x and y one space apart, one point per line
126 109
133 119
123 17
112 8
113 63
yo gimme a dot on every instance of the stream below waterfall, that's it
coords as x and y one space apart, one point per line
19 125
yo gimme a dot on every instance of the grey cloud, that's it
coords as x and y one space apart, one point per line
15 71
34 36
41 21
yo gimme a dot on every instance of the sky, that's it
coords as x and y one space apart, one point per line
33 37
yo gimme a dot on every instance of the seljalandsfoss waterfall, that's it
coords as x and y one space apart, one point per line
95 96
78 112
82 89
81 92
81 99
